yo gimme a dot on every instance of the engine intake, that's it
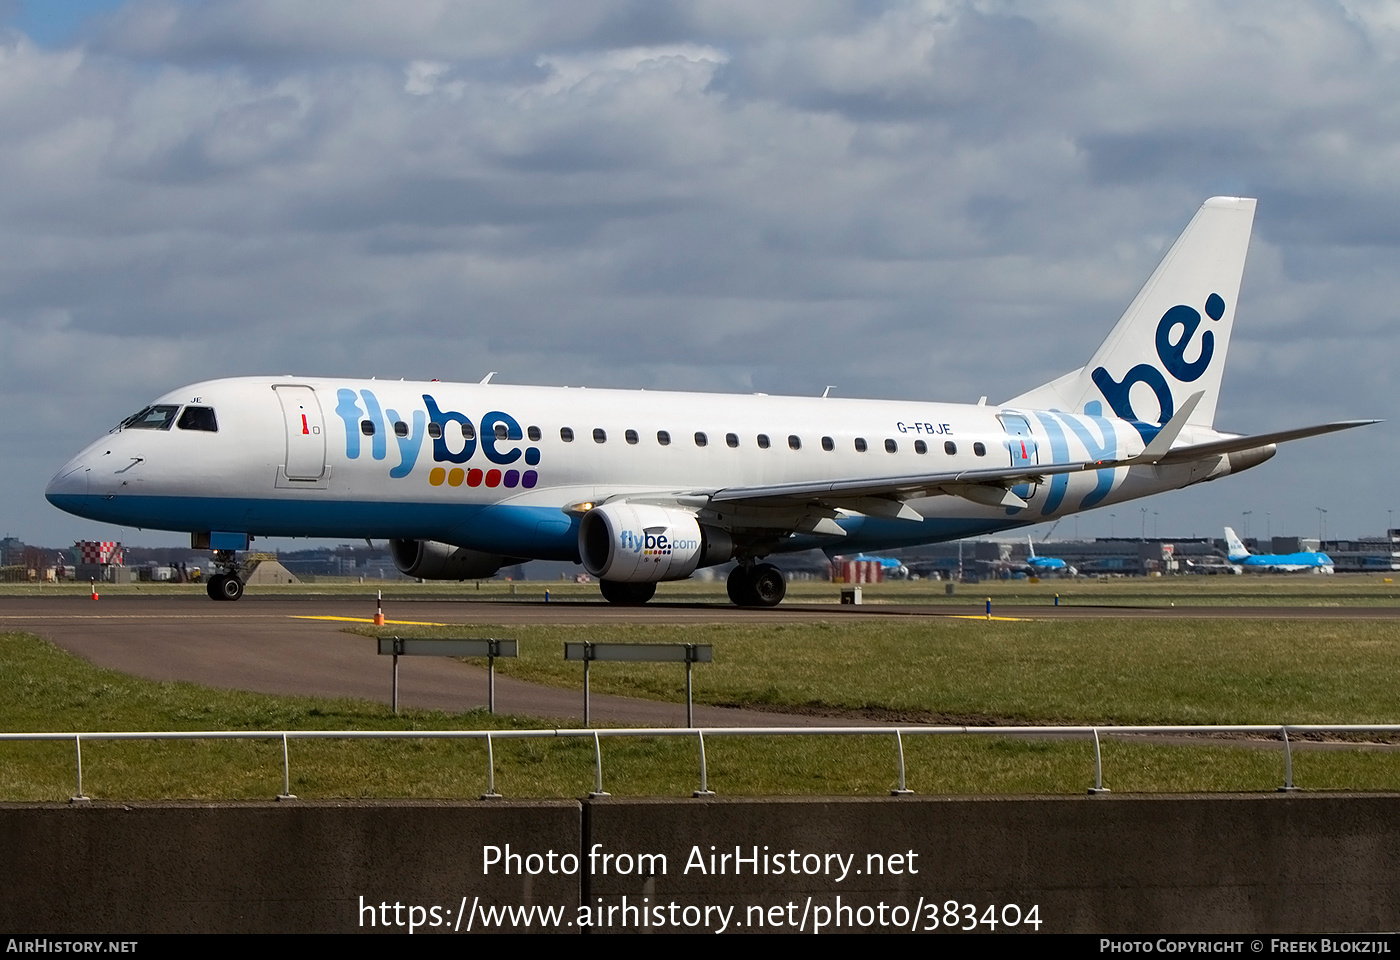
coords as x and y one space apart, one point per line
643 543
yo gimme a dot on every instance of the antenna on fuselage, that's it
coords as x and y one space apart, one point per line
487 378
827 392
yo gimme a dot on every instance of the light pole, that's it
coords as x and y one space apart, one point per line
1321 513
1111 518
1144 523
1156 533
1246 523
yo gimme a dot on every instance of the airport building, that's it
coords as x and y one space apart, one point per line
1366 555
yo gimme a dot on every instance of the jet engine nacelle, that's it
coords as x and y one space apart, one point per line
430 560
643 543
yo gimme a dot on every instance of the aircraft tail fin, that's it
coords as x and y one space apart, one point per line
1171 341
1234 547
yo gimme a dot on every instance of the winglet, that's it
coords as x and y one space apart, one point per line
1162 443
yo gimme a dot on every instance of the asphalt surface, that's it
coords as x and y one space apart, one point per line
278 644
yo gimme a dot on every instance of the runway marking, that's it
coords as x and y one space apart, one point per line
401 623
979 616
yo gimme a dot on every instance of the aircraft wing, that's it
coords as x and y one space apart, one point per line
996 481
882 496
812 506
992 487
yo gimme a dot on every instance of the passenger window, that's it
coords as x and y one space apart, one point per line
367 427
468 432
891 446
502 431
600 435
860 445
732 439
950 448
920 447
663 437
979 448
631 436
794 441
763 442
435 431
700 439
400 428
828 444
533 433
566 434
198 418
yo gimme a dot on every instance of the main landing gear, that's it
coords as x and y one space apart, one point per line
225 585
756 585
750 585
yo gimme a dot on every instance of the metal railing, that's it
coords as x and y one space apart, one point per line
1281 731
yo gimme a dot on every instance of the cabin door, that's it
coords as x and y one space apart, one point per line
1020 442
306 432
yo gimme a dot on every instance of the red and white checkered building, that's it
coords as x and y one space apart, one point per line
102 552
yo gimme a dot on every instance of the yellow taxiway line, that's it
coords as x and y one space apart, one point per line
401 623
980 616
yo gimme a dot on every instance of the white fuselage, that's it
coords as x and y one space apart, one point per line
498 468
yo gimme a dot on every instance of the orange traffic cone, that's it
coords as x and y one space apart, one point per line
94 589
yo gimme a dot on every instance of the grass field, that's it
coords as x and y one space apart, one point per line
964 671
975 672
52 690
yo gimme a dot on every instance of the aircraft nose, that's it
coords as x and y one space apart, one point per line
69 483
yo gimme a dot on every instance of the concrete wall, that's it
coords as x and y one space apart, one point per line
1267 864
293 866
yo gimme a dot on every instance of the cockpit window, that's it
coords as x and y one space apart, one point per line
198 418
158 417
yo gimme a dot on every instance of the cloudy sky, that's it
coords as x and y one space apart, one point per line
924 200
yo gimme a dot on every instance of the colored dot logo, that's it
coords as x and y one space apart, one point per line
476 478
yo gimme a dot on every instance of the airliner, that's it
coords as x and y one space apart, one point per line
1043 565
642 487
1238 553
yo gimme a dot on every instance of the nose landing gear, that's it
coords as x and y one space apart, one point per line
225 584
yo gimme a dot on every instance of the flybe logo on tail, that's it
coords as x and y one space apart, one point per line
1174 334
455 440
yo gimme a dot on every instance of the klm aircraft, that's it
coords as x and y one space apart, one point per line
641 487
1044 565
1237 552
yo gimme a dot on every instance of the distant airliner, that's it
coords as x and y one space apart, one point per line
1043 565
641 487
1237 552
